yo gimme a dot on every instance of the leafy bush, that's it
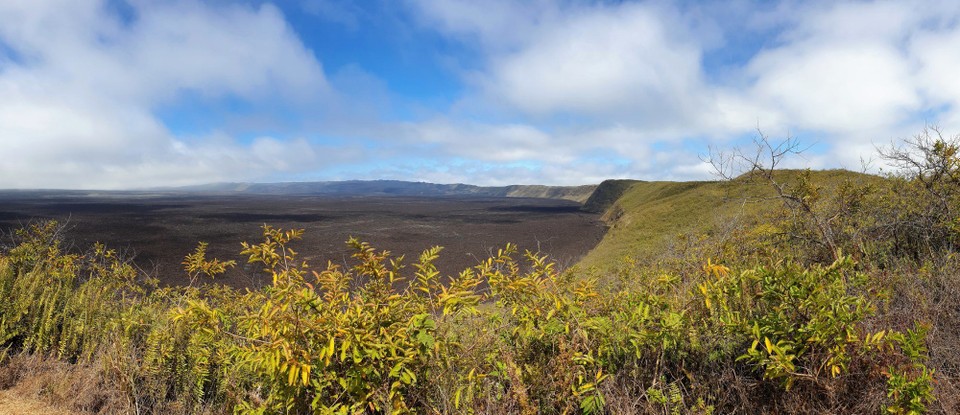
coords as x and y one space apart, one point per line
504 336
802 323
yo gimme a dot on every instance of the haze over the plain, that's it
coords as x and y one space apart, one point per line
138 93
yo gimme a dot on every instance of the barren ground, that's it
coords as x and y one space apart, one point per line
159 229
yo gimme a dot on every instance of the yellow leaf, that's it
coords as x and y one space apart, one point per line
343 349
291 375
305 375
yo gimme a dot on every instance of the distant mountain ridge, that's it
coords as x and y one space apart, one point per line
578 194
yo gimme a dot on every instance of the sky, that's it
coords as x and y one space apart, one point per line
121 94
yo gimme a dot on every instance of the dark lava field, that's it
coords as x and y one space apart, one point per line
157 230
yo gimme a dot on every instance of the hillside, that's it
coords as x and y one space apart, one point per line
647 217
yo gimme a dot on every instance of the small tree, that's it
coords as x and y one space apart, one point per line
924 214
811 223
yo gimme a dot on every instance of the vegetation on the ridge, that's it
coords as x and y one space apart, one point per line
650 218
606 194
777 292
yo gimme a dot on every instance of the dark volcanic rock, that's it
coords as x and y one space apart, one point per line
161 228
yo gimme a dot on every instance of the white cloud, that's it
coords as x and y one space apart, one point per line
487 142
563 91
623 61
232 49
77 104
623 81
849 73
339 11
844 68
615 78
493 24
863 74
506 153
936 54
836 87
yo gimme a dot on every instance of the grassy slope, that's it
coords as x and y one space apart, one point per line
606 194
648 217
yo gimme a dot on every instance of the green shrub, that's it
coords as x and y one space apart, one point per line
510 335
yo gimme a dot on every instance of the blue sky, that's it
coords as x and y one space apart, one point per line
136 93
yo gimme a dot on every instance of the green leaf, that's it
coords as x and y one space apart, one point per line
425 339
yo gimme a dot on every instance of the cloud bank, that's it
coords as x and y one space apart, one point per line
847 75
80 91
555 92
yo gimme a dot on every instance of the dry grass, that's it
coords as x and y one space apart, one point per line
50 386
12 403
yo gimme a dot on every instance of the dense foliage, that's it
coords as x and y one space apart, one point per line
839 301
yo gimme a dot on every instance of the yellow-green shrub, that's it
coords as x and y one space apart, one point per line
506 336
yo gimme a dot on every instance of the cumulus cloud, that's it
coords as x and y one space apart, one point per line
486 142
552 91
493 24
847 74
836 87
611 62
935 53
504 153
78 99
